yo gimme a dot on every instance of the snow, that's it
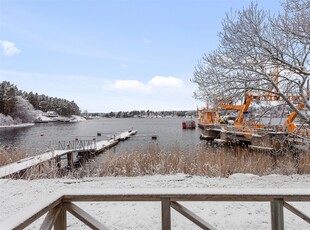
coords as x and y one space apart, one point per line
42 117
78 118
17 126
74 118
19 198
32 115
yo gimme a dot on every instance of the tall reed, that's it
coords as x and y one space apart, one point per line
10 155
204 161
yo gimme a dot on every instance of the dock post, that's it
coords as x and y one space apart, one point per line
58 162
21 174
83 157
70 160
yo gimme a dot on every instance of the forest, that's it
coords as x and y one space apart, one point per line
21 105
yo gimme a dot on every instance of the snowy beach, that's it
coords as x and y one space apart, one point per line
17 195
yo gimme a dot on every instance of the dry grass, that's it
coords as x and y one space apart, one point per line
202 161
205 161
10 155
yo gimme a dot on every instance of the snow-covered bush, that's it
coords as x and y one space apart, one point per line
24 112
6 120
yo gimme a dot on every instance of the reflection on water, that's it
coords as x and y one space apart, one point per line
38 138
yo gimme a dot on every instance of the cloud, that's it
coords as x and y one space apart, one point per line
157 82
9 48
169 82
124 66
129 85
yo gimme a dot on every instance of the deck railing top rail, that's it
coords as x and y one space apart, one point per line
66 197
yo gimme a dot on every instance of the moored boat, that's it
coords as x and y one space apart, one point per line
190 124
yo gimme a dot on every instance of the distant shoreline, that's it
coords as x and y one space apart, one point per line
17 125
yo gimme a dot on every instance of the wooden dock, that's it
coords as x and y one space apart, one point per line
81 146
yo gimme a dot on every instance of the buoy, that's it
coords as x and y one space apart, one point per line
42 134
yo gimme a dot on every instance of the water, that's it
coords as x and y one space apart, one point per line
38 138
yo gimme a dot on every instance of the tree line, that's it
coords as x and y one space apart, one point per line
11 99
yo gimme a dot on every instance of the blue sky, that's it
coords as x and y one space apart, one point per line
111 55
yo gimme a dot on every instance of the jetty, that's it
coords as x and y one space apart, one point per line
84 149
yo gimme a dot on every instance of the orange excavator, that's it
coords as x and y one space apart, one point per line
212 116
289 124
240 120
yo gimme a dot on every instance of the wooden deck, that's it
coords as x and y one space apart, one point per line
57 205
78 146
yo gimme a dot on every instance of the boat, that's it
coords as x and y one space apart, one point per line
189 124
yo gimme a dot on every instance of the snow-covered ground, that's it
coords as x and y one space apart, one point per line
78 118
8 122
44 118
16 195
17 125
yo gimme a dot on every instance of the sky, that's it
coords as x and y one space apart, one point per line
112 55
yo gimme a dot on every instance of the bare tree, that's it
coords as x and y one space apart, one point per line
259 53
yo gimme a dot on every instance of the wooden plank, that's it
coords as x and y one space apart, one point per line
61 220
260 147
219 141
89 197
191 216
297 212
165 214
84 217
277 219
50 218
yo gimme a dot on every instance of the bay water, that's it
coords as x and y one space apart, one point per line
41 137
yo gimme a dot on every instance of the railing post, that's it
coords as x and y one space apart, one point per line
277 219
61 221
165 214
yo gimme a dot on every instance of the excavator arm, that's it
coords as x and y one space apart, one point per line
289 124
241 108
244 108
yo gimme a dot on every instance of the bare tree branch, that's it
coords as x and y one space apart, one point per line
262 53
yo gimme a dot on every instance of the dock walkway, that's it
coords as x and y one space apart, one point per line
96 146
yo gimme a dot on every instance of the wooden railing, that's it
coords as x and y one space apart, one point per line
58 205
